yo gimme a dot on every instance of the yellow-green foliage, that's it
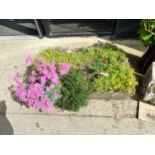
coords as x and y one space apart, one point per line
120 79
117 76
76 59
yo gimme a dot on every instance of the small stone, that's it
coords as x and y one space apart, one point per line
37 125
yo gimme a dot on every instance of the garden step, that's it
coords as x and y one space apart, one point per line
43 124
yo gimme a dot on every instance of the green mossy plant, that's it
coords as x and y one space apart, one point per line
106 68
147 31
118 79
74 91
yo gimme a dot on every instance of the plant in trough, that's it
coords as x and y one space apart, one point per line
74 91
106 68
42 87
117 79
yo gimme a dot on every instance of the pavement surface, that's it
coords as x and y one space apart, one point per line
101 116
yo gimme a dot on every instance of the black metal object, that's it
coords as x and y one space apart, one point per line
127 28
147 59
120 28
17 27
45 26
39 28
69 27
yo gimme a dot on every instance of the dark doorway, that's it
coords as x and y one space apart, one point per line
60 27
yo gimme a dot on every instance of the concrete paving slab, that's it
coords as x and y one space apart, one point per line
41 125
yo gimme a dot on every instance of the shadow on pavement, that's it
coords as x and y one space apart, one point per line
5 126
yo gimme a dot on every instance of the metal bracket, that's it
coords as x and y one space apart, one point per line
39 29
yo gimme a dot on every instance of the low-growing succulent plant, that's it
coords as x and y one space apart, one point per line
110 66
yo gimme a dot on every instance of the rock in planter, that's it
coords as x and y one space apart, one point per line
146 112
149 84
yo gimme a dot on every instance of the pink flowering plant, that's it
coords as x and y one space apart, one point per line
42 89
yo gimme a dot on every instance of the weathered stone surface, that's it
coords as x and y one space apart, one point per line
96 107
146 112
42 124
105 108
111 95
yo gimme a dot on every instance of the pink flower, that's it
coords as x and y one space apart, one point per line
52 86
64 68
54 78
45 72
52 65
43 80
17 77
36 105
21 93
31 78
48 88
39 68
48 105
57 95
30 102
29 60
41 60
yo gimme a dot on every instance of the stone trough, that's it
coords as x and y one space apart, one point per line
116 105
